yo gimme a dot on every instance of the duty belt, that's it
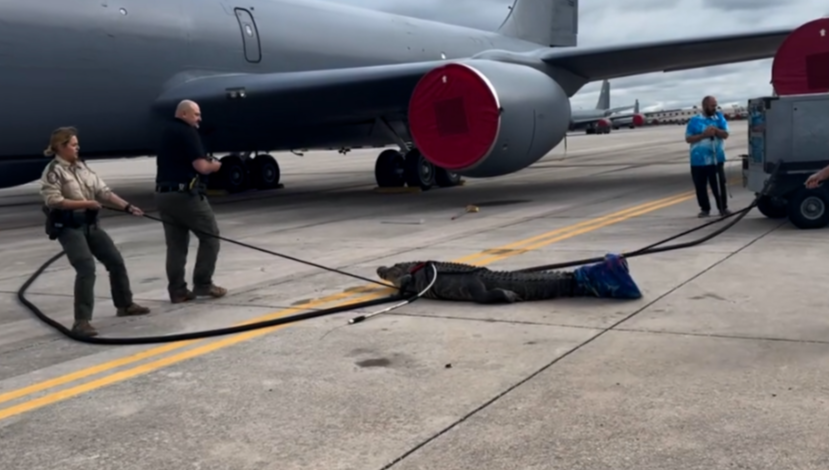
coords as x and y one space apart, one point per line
180 188
169 188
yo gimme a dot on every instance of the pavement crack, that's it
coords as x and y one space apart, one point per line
723 336
576 348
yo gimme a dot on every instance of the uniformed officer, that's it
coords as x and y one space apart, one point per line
183 205
72 194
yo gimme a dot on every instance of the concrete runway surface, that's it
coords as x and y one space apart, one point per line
722 364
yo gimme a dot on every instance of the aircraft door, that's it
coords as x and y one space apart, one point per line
250 35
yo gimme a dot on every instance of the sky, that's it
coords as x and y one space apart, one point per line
622 21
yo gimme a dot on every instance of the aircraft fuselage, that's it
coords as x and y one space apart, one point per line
100 66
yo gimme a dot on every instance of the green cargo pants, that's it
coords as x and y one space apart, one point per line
82 246
182 213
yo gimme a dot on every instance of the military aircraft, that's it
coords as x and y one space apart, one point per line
600 119
631 120
279 75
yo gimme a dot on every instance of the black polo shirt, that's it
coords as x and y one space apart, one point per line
179 147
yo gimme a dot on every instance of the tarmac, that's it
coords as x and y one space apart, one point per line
721 365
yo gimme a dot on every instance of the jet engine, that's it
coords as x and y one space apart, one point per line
482 118
638 120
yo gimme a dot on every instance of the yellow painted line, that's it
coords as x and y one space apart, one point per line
529 243
611 218
97 369
148 367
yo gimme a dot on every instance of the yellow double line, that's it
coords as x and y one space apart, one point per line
341 299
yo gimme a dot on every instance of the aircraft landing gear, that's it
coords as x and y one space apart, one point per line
240 173
394 170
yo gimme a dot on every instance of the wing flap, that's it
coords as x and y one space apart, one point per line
600 63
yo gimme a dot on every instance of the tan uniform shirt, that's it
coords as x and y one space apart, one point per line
73 181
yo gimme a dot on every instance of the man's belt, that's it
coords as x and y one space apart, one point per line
194 186
171 188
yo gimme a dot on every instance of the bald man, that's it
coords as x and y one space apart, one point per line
706 132
183 205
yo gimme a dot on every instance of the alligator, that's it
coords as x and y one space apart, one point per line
469 283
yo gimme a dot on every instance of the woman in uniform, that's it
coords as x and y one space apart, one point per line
74 194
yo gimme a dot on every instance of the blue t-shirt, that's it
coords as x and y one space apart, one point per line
703 152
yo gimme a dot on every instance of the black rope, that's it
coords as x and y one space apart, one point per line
272 253
658 248
21 296
654 248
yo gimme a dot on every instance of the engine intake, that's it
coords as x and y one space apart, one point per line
482 118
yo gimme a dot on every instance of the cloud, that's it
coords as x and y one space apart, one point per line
623 21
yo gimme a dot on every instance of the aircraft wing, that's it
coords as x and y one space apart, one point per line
600 63
331 96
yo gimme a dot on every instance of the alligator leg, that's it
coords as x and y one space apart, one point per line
479 294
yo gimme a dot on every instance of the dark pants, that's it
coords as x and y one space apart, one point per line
714 176
82 246
182 213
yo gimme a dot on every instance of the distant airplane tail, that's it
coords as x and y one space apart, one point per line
604 97
636 107
552 23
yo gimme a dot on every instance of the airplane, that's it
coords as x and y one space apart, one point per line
632 120
595 121
287 75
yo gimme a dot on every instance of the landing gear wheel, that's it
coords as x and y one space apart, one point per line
771 207
232 176
809 208
264 172
445 178
389 169
418 172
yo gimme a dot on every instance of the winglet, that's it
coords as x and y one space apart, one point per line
551 23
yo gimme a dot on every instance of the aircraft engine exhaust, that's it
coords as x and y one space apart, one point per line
482 118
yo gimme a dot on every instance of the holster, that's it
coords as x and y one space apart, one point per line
59 219
197 187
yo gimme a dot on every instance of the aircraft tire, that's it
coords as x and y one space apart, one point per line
265 172
233 175
418 172
445 178
389 169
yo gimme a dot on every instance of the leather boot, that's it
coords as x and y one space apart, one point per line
211 291
83 328
133 309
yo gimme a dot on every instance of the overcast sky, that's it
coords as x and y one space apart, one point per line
621 21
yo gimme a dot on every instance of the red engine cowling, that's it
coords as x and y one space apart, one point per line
638 120
801 64
483 118
602 123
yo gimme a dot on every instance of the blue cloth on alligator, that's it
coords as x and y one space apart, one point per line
609 278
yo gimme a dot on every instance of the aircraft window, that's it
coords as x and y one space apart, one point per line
123 11
249 30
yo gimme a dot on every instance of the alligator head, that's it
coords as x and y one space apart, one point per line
395 273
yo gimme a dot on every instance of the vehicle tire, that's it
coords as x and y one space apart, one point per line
389 169
445 178
233 175
419 172
265 172
809 208
772 208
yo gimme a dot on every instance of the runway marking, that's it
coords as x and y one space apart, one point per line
486 257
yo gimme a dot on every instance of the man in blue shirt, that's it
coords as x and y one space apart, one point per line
706 133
